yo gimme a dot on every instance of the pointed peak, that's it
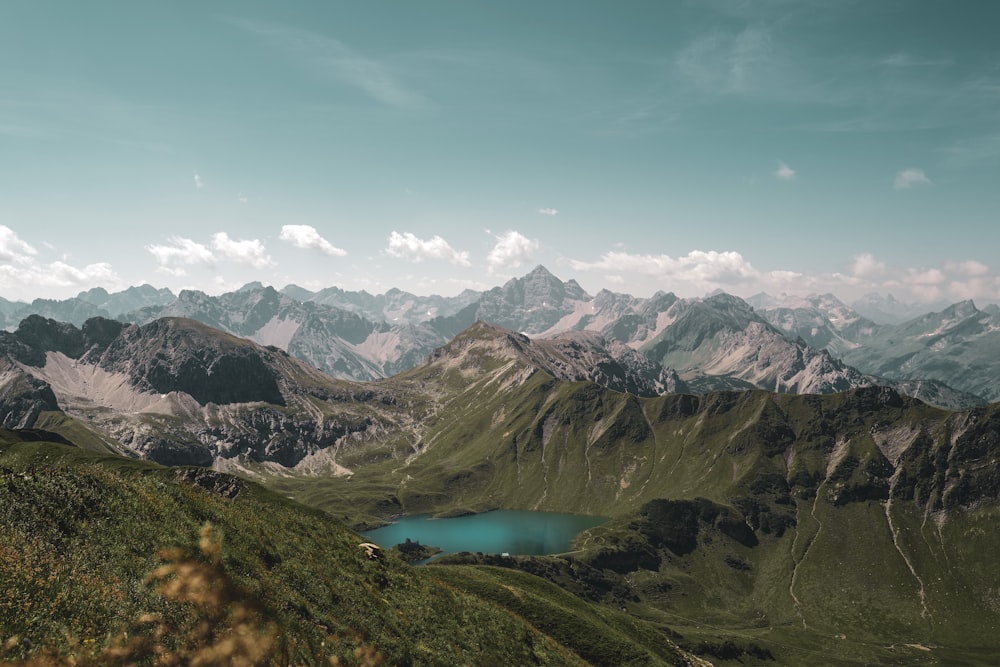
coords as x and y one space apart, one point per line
962 308
540 271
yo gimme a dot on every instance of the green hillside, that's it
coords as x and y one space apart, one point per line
745 527
854 526
107 560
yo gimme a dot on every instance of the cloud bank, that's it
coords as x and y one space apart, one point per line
179 252
408 246
306 237
21 271
512 250
248 251
701 272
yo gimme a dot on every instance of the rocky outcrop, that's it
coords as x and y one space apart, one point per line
956 346
573 356
531 304
22 397
183 355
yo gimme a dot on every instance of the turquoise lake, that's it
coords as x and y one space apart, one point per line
517 532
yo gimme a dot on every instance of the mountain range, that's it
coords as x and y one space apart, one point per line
744 525
812 345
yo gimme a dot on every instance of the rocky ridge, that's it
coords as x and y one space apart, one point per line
358 336
180 392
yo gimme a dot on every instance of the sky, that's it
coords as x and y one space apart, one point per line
784 146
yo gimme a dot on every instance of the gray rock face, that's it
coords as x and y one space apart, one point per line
177 391
956 346
889 310
128 300
182 355
609 363
823 322
22 397
576 356
95 302
339 342
37 335
721 336
532 304
633 321
395 307
719 342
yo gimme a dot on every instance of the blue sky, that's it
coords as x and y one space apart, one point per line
779 145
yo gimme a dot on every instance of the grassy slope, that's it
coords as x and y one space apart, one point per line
835 571
80 533
574 447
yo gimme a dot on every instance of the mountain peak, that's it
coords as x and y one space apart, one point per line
97 295
252 286
296 292
541 272
573 356
961 309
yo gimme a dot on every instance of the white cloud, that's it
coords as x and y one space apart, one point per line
248 251
408 246
925 277
698 267
976 287
198 183
305 236
926 284
784 172
865 265
968 279
26 276
548 211
968 268
62 274
907 178
242 198
181 251
12 248
701 272
511 250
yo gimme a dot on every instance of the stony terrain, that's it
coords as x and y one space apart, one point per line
816 344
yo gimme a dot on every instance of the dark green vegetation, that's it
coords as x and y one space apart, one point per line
747 527
80 534
414 552
853 528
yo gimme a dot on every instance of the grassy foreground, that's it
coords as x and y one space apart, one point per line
105 560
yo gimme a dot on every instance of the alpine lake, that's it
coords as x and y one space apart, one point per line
511 532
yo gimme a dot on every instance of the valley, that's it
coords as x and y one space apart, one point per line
849 521
499 334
